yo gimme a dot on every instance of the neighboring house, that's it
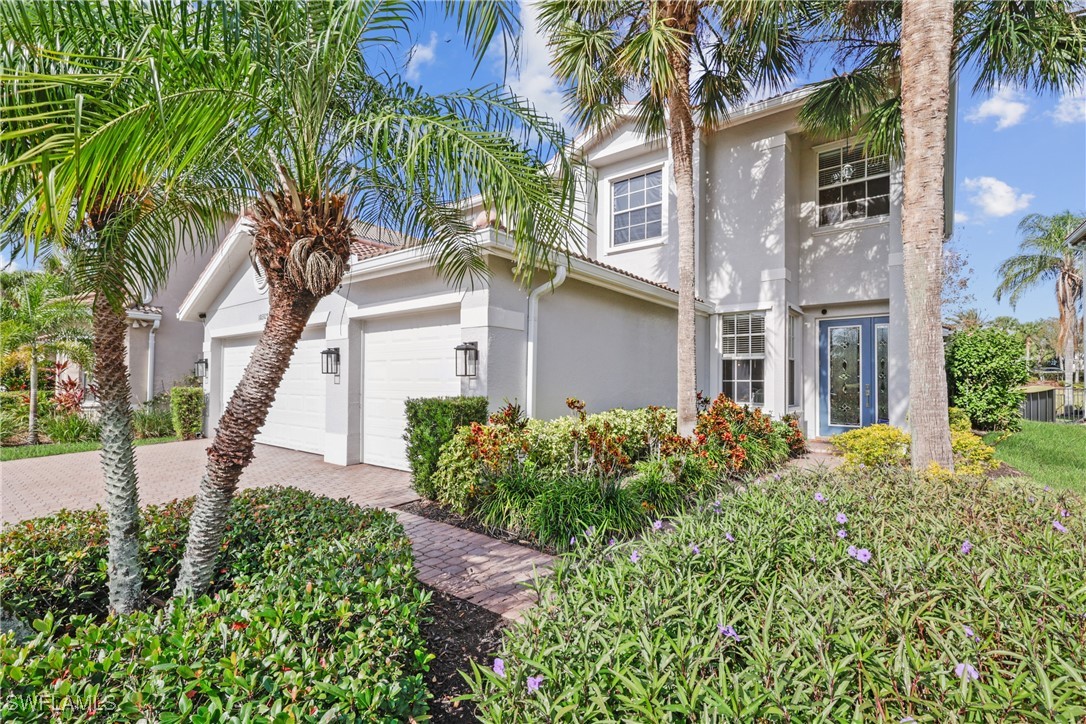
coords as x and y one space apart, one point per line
801 301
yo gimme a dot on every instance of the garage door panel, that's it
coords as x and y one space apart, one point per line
404 356
296 419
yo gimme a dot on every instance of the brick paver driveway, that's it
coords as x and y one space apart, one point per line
464 564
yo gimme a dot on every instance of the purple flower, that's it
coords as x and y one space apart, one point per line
1059 526
573 541
534 682
694 548
590 531
842 518
852 551
611 542
1032 499
966 671
820 497
966 547
635 557
863 555
969 633
657 524
1047 488
728 632
728 537
842 534
1064 513
499 667
777 476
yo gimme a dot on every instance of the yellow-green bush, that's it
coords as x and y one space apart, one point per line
889 446
959 420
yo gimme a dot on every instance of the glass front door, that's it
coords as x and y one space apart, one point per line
853 373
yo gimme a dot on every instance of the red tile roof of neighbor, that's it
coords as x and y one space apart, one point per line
145 309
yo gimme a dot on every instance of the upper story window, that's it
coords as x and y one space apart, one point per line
637 208
851 186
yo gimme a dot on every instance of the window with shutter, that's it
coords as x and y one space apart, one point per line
852 185
742 345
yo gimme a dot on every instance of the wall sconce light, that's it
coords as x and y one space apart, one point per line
330 361
200 368
467 359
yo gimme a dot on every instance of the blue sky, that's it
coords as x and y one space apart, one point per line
1017 153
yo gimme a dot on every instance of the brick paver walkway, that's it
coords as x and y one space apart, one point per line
468 565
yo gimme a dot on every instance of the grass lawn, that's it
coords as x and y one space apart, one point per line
1051 453
22 452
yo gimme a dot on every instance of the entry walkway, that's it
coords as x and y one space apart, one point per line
464 564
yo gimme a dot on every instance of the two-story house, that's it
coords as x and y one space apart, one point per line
801 305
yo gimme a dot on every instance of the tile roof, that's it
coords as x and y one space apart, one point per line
145 309
623 272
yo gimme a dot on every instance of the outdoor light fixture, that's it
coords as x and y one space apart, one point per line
467 359
200 369
330 361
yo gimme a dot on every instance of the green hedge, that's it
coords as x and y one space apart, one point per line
187 411
753 609
432 422
318 620
985 369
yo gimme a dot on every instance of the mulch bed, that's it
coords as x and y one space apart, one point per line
457 633
434 511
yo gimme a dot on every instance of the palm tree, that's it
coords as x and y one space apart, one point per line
327 144
679 65
1045 257
888 49
40 319
89 169
966 320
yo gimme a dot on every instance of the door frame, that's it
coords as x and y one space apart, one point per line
868 370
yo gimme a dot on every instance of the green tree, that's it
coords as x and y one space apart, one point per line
100 142
1045 257
900 58
674 65
39 320
985 369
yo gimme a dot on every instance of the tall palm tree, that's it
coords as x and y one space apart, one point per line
679 65
89 168
966 320
39 319
328 144
1038 45
1045 257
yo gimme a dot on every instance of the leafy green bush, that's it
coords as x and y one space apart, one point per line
888 446
662 485
945 602
567 507
318 619
70 427
432 422
153 418
13 422
985 369
458 479
187 411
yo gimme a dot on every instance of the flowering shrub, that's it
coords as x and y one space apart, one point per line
737 439
941 602
318 620
889 446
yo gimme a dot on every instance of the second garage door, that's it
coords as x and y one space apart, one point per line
296 419
404 356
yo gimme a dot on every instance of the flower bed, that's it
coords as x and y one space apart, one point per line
613 472
315 614
824 596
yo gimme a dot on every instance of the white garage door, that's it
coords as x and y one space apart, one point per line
296 419
404 356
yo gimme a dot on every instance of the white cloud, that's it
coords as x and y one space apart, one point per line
960 217
1006 106
1071 108
996 198
534 80
419 56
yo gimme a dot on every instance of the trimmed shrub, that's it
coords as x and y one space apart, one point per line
187 412
153 418
888 446
70 427
985 369
945 602
319 620
432 422
959 420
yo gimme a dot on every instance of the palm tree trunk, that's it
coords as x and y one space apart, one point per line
682 131
232 449
118 457
32 415
926 37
